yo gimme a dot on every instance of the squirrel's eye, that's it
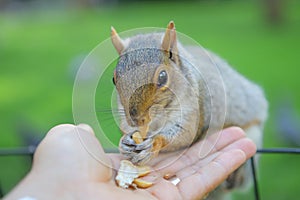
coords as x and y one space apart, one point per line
162 78
113 80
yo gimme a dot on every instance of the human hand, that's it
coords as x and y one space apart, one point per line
70 164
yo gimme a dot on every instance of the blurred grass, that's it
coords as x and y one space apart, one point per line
39 48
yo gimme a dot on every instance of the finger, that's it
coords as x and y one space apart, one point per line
186 158
70 147
219 140
164 189
86 128
211 175
56 140
244 144
115 161
94 154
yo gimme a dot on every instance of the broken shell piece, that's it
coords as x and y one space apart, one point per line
137 137
142 183
128 175
143 170
167 176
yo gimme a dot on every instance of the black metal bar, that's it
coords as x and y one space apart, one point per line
15 151
255 183
29 150
23 151
18 151
111 150
280 150
1 192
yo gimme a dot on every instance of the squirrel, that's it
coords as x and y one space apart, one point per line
174 94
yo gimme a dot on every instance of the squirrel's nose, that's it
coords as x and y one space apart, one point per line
137 120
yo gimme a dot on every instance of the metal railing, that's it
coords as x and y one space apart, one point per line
268 151
29 151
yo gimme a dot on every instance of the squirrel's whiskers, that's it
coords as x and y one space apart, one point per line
173 95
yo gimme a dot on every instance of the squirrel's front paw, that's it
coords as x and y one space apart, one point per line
137 153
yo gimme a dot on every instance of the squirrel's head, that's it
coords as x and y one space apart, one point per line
146 67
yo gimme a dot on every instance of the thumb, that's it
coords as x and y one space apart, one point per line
72 152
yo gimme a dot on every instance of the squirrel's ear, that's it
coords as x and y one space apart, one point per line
117 41
169 40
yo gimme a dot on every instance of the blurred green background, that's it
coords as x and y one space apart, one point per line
42 44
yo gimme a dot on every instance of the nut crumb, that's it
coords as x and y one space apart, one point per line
129 175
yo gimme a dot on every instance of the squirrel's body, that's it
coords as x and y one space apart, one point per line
245 101
173 95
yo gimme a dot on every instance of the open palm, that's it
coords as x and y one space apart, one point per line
71 164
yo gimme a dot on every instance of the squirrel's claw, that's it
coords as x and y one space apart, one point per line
137 153
127 145
126 149
146 144
127 139
142 157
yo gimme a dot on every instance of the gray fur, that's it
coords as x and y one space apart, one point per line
205 94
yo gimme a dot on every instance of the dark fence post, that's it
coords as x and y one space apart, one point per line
255 183
1 192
